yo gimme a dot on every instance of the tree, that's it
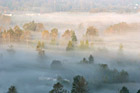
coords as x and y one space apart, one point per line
54 36
79 85
84 61
124 76
87 44
67 35
119 28
74 38
12 89
91 59
40 45
18 32
11 34
45 34
70 46
124 90
91 31
54 33
121 47
30 26
84 44
58 88
138 91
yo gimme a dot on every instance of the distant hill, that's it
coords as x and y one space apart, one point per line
70 5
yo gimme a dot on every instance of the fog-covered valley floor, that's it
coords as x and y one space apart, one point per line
112 68
32 74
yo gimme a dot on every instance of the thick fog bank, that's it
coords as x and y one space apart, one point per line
31 74
75 20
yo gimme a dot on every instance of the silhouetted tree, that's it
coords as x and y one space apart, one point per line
91 59
79 85
124 90
12 89
58 88
138 91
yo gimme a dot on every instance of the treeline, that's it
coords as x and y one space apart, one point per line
69 39
69 5
122 28
79 85
105 74
15 34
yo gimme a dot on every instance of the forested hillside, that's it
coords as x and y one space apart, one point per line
70 5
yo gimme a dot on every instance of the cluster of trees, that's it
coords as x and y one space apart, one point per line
113 76
79 85
50 36
91 31
90 35
40 45
70 37
89 61
32 26
118 28
72 43
15 34
84 44
67 34
58 88
122 27
125 90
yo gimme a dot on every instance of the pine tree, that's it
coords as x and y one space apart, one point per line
12 89
138 91
79 85
70 46
91 59
58 88
124 90
74 38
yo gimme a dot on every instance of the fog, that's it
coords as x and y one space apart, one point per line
31 73
72 20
